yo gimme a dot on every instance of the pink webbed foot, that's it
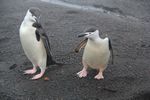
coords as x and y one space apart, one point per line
30 71
82 73
99 76
37 76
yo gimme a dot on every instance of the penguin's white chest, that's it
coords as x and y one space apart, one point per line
96 54
34 50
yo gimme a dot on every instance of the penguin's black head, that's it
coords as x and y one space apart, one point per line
90 33
91 29
33 14
35 11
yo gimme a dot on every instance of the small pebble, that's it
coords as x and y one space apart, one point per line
13 66
46 79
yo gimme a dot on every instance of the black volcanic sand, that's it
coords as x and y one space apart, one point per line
127 79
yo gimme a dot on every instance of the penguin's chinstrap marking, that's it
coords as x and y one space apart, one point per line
96 52
35 43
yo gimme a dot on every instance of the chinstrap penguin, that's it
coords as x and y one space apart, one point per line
96 52
35 42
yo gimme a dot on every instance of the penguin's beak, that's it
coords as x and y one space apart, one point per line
82 35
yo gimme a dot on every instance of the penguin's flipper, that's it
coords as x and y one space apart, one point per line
81 45
40 34
111 50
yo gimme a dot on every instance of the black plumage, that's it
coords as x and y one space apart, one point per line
40 34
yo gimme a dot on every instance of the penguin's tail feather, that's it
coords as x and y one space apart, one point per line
51 61
111 50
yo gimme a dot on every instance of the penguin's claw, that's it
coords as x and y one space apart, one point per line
37 76
99 77
30 71
82 73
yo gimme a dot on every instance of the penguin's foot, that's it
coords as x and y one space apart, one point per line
82 73
37 76
99 76
30 71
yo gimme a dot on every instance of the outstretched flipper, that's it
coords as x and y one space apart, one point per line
111 50
40 34
81 45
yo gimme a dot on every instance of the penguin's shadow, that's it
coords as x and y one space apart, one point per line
92 72
54 67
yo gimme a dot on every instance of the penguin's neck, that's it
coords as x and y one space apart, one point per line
95 40
28 18
27 21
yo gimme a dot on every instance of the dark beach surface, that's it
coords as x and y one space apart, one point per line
126 22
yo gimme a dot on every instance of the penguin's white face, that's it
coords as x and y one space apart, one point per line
90 35
30 16
33 14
